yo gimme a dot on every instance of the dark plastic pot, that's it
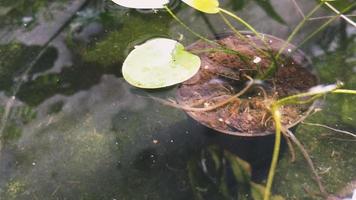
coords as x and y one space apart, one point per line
298 56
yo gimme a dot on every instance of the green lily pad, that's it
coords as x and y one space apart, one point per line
142 4
207 6
159 63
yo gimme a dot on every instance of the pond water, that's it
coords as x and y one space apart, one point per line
72 128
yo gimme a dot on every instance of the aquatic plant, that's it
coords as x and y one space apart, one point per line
162 58
273 105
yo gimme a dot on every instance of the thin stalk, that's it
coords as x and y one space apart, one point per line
328 17
331 128
247 25
298 9
290 146
189 29
226 21
344 91
277 144
242 37
324 25
272 68
242 57
312 110
292 99
278 126
311 99
316 31
341 15
297 28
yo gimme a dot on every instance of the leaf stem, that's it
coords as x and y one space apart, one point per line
187 27
297 28
277 144
212 42
344 91
241 36
332 18
340 14
246 24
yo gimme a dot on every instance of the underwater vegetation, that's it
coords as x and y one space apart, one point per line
209 81
151 75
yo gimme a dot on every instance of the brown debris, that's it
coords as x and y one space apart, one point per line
222 75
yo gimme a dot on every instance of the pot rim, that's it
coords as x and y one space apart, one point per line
305 62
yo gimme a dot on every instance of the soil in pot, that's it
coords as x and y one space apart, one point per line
222 75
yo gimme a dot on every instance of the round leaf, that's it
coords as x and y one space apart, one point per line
158 63
207 6
142 4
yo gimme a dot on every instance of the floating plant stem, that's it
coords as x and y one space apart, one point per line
247 25
277 144
341 15
317 91
242 57
311 99
327 17
274 65
297 28
187 27
241 36
320 28
274 59
295 99
298 8
344 91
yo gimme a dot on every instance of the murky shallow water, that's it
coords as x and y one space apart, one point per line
72 128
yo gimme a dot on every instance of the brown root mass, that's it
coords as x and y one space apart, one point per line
222 75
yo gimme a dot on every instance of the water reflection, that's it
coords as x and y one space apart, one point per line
76 130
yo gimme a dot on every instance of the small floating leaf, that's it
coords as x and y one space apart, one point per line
158 63
207 6
142 4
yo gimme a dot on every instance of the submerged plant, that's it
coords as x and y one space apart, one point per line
175 65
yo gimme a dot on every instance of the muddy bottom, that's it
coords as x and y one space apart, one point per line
223 75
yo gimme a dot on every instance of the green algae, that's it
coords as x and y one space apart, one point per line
333 153
12 12
17 118
14 189
142 151
14 58
334 158
111 50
